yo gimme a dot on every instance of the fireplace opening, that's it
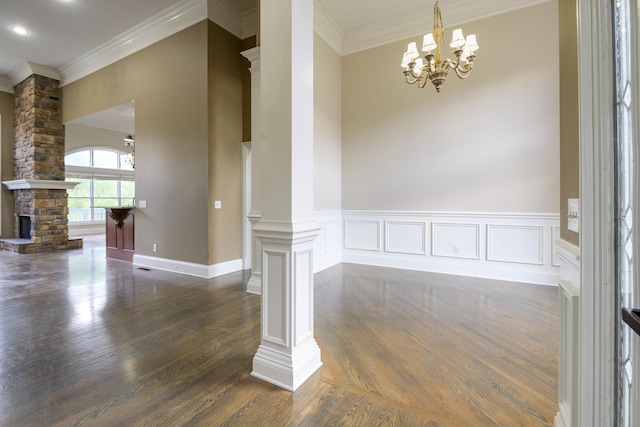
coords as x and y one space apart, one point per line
25 226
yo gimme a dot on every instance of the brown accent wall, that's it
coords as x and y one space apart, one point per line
569 124
225 87
6 164
169 83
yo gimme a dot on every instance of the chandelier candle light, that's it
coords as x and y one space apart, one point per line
435 67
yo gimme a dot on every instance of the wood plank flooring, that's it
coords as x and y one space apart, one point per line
86 341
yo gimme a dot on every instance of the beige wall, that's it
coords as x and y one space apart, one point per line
327 149
486 144
6 163
169 83
569 120
80 136
225 144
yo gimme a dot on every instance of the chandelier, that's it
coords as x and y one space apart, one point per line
130 157
434 66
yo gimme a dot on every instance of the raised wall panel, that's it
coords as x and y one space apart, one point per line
362 234
304 283
555 235
456 240
332 235
460 243
405 237
274 271
515 243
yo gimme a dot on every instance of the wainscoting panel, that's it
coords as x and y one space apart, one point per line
568 353
327 248
510 246
456 240
362 234
515 243
555 235
406 237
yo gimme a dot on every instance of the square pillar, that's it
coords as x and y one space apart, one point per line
288 353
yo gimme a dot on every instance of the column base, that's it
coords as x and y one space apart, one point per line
284 370
254 285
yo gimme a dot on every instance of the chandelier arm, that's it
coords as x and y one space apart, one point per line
411 78
464 70
425 79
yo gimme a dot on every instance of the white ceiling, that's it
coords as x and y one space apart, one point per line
64 33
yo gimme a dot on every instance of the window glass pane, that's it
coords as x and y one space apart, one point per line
81 190
127 189
79 209
105 188
89 198
105 202
99 214
124 164
79 158
105 159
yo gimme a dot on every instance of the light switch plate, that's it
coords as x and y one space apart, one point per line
142 204
217 204
573 215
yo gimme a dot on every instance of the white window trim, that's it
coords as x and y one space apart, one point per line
597 264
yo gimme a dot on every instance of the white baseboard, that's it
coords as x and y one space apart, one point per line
458 269
192 269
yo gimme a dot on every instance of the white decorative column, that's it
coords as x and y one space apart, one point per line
254 286
288 353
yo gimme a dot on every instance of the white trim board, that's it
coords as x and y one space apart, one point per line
192 269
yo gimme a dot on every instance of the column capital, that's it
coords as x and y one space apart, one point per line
253 55
287 232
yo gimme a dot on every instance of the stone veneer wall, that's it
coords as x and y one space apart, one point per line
39 135
39 155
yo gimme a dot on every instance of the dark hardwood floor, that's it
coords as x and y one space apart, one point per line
95 342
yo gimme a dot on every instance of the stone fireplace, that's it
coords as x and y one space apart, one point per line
40 191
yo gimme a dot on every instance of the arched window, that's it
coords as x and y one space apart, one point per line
106 180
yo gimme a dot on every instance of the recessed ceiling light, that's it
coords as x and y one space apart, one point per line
19 30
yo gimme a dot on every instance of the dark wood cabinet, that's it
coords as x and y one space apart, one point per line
120 227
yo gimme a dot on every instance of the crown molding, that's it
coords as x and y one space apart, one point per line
420 21
249 23
29 69
243 25
5 85
226 15
148 32
327 28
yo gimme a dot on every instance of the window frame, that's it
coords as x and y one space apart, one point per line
95 173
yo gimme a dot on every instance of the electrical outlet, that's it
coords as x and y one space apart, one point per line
573 215
217 204
155 247
142 204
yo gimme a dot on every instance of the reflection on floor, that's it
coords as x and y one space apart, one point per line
86 340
